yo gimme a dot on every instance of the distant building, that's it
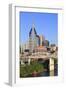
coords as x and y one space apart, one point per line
27 45
23 47
38 40
53 47
42 39
46 43
40 49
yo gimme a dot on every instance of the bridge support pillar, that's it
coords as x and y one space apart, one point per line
29 61
51 67
22 62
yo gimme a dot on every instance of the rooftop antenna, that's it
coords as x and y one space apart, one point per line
33 25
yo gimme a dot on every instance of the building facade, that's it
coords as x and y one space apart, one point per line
46 43
33 39
42 39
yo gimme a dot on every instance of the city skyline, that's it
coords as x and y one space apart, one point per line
47 26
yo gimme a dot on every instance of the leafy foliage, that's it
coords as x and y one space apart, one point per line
29 69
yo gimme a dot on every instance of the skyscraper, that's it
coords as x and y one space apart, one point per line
33 39
38 40
42 39
46 43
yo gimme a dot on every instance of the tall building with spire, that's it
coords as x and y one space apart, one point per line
33 39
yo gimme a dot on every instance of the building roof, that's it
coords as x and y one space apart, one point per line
40 47
33 28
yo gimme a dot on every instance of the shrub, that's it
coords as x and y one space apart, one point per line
29 69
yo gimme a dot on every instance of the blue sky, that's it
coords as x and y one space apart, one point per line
46 24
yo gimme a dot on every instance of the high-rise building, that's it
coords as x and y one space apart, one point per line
46 43
33 39
42 39
23 47
27 45
38 40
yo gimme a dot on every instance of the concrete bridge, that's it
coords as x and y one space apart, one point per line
41 55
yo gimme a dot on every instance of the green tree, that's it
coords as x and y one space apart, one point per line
29 69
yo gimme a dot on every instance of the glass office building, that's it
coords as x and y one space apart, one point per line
33 39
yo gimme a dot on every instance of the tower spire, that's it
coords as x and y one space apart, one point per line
33 25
